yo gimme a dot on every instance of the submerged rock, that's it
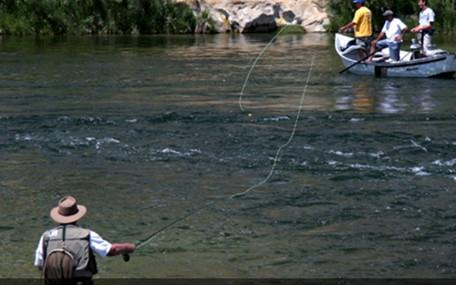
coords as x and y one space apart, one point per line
250 16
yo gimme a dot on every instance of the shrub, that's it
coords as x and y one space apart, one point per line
95 17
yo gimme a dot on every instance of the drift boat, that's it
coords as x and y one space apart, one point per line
437 63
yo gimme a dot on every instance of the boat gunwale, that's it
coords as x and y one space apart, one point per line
419 61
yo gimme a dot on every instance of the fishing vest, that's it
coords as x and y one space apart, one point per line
74 240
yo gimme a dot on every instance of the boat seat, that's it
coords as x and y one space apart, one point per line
432 52
407 57
350 49
380 58
383 56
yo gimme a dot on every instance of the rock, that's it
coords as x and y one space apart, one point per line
289 16
249 16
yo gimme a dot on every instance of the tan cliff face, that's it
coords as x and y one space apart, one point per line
261 16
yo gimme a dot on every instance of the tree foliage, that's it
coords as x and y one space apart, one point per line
21 17
56 17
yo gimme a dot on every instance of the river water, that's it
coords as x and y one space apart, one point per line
143 130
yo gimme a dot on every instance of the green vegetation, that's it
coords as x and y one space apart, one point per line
76 17
24 17
294 30
206 24
341 12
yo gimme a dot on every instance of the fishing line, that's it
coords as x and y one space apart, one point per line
254 64
148 239
290 138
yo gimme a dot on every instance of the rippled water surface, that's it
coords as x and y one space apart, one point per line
143 130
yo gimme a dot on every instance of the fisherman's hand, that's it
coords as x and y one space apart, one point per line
129 248
121 248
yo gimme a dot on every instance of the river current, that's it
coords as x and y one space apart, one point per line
143 130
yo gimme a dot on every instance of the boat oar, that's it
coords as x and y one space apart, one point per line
359 61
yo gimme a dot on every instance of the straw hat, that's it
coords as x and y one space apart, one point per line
68 211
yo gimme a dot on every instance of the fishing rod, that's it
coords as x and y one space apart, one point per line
141 243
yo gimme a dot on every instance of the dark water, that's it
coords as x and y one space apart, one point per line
143 130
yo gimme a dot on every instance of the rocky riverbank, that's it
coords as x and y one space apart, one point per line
250 16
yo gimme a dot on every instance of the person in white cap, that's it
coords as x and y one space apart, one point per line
66 252
391 36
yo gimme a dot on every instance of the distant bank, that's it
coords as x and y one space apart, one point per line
62 17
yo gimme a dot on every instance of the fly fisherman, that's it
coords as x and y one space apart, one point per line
65 253
425 28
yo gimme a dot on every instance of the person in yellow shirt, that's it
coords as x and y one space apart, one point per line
362 24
